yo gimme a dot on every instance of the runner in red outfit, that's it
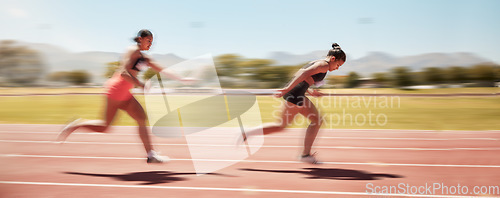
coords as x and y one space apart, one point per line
119 96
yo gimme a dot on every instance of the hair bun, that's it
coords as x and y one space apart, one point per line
335 46
141 34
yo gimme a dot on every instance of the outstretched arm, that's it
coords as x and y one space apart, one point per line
167 72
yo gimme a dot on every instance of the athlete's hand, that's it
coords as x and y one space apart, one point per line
315 93
280 93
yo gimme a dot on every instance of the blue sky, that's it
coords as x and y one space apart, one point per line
254 28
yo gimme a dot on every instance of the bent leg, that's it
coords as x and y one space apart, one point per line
101 126
289 111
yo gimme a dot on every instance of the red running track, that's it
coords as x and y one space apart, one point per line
358 163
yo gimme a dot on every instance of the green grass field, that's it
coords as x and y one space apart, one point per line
44 90
417 91
373 112
429 113
41 90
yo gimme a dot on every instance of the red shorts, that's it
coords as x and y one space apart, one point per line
118 88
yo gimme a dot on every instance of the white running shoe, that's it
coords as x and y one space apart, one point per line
311 159
154 157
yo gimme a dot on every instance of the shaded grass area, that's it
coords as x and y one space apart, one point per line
368 112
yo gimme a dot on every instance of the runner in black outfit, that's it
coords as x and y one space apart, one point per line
297 102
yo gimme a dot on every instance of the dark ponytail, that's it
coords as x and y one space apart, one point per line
337 52
142 33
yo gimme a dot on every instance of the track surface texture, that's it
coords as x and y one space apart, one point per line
357 163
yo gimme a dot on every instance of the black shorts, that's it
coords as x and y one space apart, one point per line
297 94
297 100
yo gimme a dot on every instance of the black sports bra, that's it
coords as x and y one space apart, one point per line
316 77
134 67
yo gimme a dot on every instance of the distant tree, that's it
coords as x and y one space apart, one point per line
433 75
456 74
418 78
381 78
18 64
352 80
497 73
61 76
272 76
401 77
79 77
227 64
483 73
249 68
336 81
111 68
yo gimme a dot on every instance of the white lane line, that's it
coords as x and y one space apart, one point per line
224 189
276 136
258 161
258 146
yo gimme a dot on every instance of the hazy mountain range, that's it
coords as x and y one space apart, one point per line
58 59
383 62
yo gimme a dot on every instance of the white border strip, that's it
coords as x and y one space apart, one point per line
223 189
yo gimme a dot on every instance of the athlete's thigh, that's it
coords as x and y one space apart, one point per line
288 113
112 107
134 109
309 110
